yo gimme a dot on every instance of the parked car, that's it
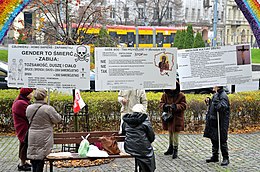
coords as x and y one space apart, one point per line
3 75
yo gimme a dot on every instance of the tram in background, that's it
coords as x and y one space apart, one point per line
148 36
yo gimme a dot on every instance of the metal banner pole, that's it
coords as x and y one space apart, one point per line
219 136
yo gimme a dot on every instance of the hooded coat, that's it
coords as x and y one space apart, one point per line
219 103
40 140
178 98
139 137
20 121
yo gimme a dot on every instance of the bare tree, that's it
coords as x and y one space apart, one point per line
63 20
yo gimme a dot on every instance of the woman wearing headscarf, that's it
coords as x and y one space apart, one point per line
21 124
40 140
174 103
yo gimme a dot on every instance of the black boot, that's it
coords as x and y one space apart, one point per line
169 151
225 161
175 152
224 151
214 157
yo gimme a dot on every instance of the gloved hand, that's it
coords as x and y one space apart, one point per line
207 101
174 107
166 107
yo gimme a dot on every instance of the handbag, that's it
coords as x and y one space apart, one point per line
109 144
167 117
25 140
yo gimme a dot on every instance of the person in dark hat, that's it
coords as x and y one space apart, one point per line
218 104
173 102
21 124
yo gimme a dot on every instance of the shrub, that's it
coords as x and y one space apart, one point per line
104 110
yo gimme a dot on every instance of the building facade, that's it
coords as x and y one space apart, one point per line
232 27
237 28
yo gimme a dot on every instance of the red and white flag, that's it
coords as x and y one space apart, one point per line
78 102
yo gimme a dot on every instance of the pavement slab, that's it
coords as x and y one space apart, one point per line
244 151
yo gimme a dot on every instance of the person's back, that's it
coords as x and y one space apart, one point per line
139 136
42 117
129 98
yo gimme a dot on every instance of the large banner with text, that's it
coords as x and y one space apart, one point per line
49 66
214 66
135 68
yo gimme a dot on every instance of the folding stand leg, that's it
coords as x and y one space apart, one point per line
51 166
136 165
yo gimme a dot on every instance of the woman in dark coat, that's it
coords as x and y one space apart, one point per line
174 102
218 104
139 137
21 124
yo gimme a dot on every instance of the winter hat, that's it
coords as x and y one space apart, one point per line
26 91
139 108
40 94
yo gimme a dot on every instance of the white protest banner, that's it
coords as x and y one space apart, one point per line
49 66
212 66
135 68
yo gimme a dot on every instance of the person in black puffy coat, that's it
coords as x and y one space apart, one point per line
218 104
139 137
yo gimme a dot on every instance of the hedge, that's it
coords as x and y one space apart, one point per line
104 110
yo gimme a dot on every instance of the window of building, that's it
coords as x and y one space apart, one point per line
198 15
186 12
229 14
247 35
193 14
234 14
168 13
140 13
113 13
227 36
155 13
126 12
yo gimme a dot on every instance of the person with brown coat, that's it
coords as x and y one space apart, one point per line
40 140
21 124
174 103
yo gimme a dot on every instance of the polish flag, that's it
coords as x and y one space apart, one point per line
78 102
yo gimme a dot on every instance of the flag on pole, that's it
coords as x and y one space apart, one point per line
78 102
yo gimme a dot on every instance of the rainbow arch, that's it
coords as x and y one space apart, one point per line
251 11
9 9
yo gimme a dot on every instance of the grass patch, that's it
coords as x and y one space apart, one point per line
255 55
3 55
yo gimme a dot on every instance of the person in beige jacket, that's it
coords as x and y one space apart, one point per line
129 98
40 140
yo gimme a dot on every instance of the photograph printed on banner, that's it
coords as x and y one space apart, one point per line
165 62
243 55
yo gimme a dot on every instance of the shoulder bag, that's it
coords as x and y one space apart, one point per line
27 133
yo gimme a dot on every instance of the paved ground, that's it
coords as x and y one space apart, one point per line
244 152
